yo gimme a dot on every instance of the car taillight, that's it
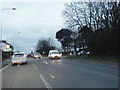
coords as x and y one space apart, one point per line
12 56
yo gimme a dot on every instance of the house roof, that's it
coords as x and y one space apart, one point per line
3 41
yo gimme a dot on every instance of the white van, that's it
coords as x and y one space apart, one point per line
54 54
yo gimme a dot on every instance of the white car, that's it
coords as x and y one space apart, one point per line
54 54
37 56
19 58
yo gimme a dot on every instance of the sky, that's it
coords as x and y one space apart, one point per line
31 21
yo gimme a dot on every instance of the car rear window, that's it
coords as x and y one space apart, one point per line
18 55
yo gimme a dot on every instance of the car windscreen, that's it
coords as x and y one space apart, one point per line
19 55
55 52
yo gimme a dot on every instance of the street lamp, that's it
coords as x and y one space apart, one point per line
1 29
18 43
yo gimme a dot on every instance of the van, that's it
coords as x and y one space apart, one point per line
54 54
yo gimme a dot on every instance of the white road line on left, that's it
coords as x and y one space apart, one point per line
34 67
5 67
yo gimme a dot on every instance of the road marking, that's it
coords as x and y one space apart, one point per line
45 82
5 67
45 62
51 75
34 67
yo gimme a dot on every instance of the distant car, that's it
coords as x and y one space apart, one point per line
30 56
83 52
37 56
19 58
54 54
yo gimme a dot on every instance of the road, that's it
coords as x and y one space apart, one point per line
45 73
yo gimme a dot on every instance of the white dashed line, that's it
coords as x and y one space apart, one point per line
51 75
5 67
45 82
34 67
45 62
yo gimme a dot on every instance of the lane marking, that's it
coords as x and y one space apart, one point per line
51 75
45 62
18 65
5 67
45 82
34 66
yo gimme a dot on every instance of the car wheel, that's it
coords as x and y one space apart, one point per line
13 64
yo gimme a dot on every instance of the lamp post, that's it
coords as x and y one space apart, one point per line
1 30
18 43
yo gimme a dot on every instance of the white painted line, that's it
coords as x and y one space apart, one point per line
45 62
51 75
34 67
5 67
45 82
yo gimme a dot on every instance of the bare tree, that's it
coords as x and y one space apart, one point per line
44 45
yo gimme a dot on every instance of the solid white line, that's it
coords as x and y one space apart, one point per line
34 67
51 75
45 82
5 67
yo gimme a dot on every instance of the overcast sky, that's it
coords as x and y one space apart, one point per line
30 22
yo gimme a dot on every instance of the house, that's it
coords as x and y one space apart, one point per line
7 49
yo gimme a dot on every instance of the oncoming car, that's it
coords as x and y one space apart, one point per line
19 58
54 54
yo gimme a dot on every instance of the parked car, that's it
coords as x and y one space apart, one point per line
37 56
54 54
19 58
83 52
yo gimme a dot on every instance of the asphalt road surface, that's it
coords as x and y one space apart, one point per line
45 73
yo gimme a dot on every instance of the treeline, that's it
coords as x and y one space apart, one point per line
44 45
91 26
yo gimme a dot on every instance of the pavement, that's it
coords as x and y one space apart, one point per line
5 62
63 73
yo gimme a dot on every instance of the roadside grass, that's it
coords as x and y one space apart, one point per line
95 58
